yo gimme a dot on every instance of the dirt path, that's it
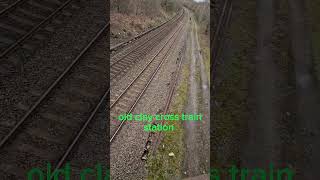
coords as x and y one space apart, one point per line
205 103
260 150
197 140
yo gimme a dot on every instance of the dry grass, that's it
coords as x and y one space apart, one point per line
123 26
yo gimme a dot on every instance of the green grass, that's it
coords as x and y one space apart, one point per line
161 166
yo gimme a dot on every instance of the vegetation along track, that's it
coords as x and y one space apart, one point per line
50 129
29 19
125 101
123 60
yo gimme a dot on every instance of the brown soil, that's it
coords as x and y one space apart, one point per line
124 26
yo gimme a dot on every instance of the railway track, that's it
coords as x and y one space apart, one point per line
50 129
218 38
125 59
26 22
126 101
154 139
93 148
139 36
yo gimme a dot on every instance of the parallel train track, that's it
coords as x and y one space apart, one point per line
125 59
153 139
126 101
25 22
140 36
50 129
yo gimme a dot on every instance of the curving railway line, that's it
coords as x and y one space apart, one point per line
126 100
52 127
125 58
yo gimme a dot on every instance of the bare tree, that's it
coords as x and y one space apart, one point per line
142 7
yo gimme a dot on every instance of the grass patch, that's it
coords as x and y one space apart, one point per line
161 166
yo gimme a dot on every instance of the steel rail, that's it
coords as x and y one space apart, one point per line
79 134
173 87
34 29
154 36
166 109
145 88
142 34
154 43
142 44
53 85
13 5
168 100
145 67
145 48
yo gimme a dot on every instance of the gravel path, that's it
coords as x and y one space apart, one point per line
192 159
196 137
204 107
